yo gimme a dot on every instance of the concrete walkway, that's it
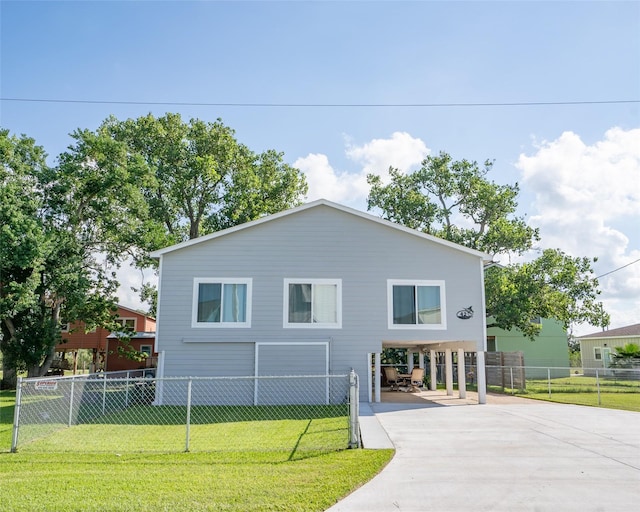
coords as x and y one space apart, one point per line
508 455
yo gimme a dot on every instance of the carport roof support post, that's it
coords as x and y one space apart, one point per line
482 378
448 371
462 383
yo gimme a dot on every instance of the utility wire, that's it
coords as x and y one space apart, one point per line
322 105
619 268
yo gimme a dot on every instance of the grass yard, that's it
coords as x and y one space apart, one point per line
581 390
274 472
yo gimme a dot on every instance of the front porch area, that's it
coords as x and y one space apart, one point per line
442 362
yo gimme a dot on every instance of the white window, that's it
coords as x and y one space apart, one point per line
128 324
221 302
146 349
416 304
597 353
314 303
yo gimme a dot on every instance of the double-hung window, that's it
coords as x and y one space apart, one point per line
416 304
313 303
221 302
127 324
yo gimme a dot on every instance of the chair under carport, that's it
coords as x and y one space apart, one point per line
446 349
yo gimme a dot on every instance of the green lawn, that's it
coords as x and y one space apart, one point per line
260 465
581 390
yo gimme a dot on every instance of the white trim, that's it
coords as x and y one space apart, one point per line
415 282
483 308
285 304
595 358
307 206
158 303
377 366
150 349
370 369
220 325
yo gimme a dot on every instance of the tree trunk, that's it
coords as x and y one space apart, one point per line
9 376
44 367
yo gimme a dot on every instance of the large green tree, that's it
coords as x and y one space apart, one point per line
200 179
456 201
203 179
118 192
64 230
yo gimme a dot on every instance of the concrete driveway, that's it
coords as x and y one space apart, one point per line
508 455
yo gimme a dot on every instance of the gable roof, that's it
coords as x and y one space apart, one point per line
309 206
136 311
629 330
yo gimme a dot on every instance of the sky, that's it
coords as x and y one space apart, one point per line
548 90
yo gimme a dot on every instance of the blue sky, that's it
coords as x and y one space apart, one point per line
578 165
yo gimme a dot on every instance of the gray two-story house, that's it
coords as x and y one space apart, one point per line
315 290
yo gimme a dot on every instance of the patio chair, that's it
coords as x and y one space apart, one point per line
417 378
393 379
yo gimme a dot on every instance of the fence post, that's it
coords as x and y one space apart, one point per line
73 382
104 393
186 448
16 417
511 376
354 434
126 391
598 386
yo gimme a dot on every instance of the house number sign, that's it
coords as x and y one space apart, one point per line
465 314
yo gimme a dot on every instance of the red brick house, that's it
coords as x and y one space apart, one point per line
104 344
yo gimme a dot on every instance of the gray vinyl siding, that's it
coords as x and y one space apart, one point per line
287 360
587 346
292 359
321 242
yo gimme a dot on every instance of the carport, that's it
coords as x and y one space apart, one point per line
444 350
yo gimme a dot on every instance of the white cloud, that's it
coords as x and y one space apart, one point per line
587 203
327 183
401 150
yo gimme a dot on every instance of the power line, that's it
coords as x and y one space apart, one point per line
619 268
321 105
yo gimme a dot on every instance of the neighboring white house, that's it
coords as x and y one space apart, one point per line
596 348
315 289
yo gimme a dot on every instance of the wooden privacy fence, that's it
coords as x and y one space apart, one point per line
505 369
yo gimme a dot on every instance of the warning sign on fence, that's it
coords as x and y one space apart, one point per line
47 385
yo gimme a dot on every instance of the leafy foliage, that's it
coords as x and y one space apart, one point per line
630 350
119 192
199 178
553 285
627 356
64 231
454 200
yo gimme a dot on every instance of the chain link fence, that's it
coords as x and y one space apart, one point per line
606 387
136 412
